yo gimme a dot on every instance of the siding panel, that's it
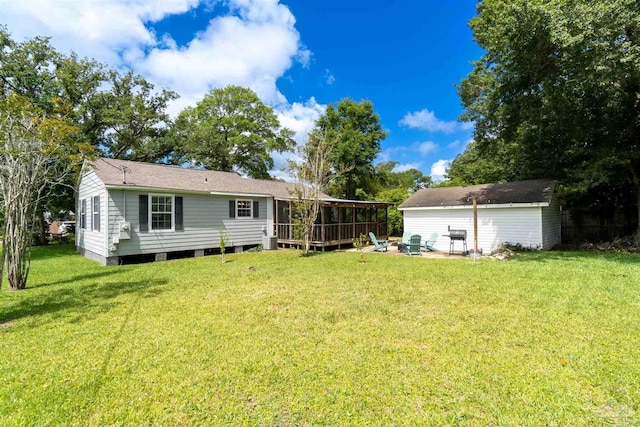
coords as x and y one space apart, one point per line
203 215
551 231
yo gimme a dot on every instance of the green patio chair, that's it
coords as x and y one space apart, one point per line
428 245
414 245
404 244
378 245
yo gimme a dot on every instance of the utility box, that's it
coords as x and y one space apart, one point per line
269 243
125 230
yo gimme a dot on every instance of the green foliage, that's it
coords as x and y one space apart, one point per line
231 129
111 114
410 179
357 131
314 341
555 94
395 219
134 119
222 242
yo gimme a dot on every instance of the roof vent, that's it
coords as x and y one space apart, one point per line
124 170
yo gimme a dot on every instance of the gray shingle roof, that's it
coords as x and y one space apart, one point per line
532 191
151 175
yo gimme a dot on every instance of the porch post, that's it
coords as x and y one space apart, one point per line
275 202
290 227
322 225
353 220
386 218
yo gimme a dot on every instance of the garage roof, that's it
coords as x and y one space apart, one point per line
518 192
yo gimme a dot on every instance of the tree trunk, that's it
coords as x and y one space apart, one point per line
3 256
636 236
42 232
17 247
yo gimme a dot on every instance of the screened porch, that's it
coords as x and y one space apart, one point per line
339 222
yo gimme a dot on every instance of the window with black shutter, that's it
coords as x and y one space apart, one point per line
143 212
179 220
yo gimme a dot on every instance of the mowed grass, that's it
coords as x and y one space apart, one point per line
273 339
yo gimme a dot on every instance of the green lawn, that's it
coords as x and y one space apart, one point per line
273 339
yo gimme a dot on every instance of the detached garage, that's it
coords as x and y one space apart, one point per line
524 212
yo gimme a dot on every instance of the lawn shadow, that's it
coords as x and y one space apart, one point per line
78 278
80 301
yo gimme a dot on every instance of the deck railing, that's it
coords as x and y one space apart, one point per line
333 234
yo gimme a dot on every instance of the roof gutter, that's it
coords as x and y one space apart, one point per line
486 206
178 190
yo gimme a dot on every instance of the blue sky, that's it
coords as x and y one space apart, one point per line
298 55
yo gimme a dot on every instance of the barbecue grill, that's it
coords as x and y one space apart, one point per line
457 235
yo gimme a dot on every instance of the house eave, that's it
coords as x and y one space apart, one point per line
485 206
233 193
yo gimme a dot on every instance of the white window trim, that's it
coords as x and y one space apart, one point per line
173 213
93 213
250 209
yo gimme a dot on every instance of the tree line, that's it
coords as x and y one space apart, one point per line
557 95
67 109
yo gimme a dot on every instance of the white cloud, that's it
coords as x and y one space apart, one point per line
427 147
300 117
439 169
406 167
329 78
252 45
427 120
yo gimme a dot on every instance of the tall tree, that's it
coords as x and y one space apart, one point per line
557 92
119 115
34 153
311 171
232 130
133 119
357 131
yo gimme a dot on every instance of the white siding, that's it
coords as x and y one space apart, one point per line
203 215
87 239
551 234
495 226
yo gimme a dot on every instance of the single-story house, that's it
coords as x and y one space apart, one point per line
522 212
130 209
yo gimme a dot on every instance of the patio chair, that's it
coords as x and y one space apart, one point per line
378 245
404 244
414 245
428 245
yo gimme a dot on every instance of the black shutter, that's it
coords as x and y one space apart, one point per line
256 209
232 208
143 212
179 222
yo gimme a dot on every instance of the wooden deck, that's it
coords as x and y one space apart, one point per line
333 234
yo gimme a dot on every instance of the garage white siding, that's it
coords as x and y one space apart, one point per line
551 232
203 216
495 226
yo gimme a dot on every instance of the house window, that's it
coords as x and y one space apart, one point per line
161 212
244 209
83 213
95 223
